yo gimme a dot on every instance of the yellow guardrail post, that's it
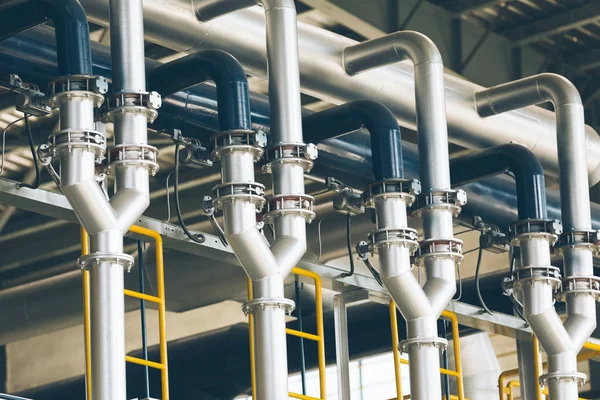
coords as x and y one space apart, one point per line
319 337
395 350
159 299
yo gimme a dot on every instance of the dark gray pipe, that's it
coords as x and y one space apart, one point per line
386 141
70 23
514 160
215 65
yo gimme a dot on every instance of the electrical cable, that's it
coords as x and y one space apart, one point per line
177 205
168 197
349 244
465 231
33 155
470 251
4 141
319 237
477 269
460 286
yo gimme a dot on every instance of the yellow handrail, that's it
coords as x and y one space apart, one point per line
159 299
319 337
456 346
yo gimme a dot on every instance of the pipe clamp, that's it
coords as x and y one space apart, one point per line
88 261
439 248
578 377
530 228
451 200
530 274
292 204
238 140
438 342
239 191
142 155
404 237
251 306
584 238
290 153
574 285
407 189
146 103
88 86
68 139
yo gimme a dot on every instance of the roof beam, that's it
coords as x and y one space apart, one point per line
587 60
345 18
469 6
555 24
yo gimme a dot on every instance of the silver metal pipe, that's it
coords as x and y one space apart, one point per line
430 102
172 23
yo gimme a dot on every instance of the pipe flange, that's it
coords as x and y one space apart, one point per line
289 204
531 228
68 139
451 200
238 140
407 189
146 103
404 237
438 342
243 191
578 377
439 248
531 274
88 261
587 239
139 155
290 153
88 86
574 285
251 306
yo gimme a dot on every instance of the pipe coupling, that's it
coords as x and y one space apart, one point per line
407 189
145 103
450 249
90 260
242 140
438 342
290 153
527 229
579 285
228 192
289 204
451 200
82 86
132 155
578 377
584 238
251 306
403 237
528 275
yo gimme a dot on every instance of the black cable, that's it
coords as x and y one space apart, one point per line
479 296
177 205
301 328
349 244
34 156
470 251
465 231
140 250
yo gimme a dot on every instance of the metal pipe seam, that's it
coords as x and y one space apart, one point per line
515 160
218 66
70 22
386 146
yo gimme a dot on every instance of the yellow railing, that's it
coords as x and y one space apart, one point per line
456 346
159 299
319 337
505 389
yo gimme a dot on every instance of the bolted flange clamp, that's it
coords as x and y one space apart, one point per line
90 260
589 239
438 342
531 274
294 204
405 237
68 139
70 86
530 228
439 248
243 191
146 103
452 200
251 306
574 285
292 153
578 377
238 140
403 188
142 155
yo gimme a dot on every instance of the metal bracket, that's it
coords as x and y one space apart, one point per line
146 103
574 285
30 99
440 248
88 86
238 140
405 237
548 274
452 200
404 188
78 138
142 155
288 205
572 239
246 191
301 154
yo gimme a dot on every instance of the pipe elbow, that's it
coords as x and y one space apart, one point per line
416 47
253 253
558 89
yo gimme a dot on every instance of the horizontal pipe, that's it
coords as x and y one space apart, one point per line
214 65
514 160
386 146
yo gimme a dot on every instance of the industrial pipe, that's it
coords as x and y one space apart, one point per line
439 252
515 160
171 23
288 209
535 279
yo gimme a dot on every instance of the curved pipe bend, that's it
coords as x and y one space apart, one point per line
515 160
386 139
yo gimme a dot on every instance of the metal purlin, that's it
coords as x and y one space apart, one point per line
159 300
319 338
505 388
458 373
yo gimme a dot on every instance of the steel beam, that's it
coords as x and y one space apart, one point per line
469 6
555 24
587 60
